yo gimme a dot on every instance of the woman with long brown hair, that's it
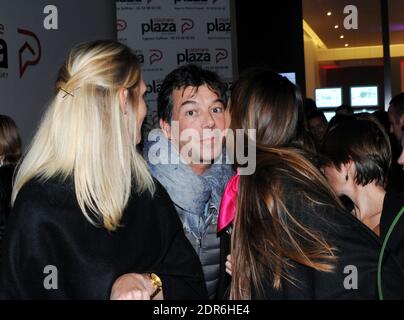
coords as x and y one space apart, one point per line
292 238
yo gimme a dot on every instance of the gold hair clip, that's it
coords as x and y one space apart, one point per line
67 93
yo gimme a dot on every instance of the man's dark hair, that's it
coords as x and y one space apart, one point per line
364 141
317 114
398 105
344 109
182 78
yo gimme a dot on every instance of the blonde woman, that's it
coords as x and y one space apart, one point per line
85 208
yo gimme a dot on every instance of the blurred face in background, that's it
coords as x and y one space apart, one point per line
401 158
318 128
396 124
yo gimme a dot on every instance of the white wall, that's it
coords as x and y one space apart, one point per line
24 98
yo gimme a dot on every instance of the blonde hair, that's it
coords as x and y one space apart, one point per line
84 134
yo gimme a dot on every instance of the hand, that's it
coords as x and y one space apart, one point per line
228 264
132 286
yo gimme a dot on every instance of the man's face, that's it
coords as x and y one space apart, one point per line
396 124
318 128
200 112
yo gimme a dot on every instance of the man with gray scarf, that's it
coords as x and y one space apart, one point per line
186 157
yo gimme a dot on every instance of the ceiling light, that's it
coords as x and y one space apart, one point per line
346 45
342 36
329 13
336 26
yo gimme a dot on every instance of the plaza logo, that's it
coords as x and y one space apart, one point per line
153 87
164 26
33 52
155 56
3 50
121 25
167 26
222 25
187 25
202 56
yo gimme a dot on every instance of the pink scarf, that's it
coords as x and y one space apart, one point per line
228 204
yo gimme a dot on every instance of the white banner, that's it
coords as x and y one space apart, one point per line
168 33
35 38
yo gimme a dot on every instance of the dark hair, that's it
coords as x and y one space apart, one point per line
344 109
266 230
309 105
10 141
337 119
398 105
383 117
184 77
270 104
317 114
366 143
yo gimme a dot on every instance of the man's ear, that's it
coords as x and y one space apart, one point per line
166 128
123 100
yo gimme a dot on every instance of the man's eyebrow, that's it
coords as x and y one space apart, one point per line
194 102
187 102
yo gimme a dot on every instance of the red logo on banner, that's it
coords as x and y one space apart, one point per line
27 47
121 25
155 56
221 54
187 24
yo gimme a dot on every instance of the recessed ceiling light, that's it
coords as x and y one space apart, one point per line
336 26
346 45
342 36
329 13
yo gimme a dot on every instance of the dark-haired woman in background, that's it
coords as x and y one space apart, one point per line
10 153
292 238
358 153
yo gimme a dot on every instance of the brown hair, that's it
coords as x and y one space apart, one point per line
268 235
365 142
10 141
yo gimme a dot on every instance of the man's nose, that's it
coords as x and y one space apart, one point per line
208 122
401 160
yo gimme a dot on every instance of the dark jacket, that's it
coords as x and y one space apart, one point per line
6 177
393 203
357 250
47 228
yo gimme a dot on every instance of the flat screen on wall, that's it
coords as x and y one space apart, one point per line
328 97
365 96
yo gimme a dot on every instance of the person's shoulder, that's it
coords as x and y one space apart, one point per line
6 177
40 199
392 205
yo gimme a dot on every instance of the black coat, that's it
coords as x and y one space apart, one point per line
47 227
393 203
356 246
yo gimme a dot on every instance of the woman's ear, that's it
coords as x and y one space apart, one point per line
123 100
166 128
349 170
